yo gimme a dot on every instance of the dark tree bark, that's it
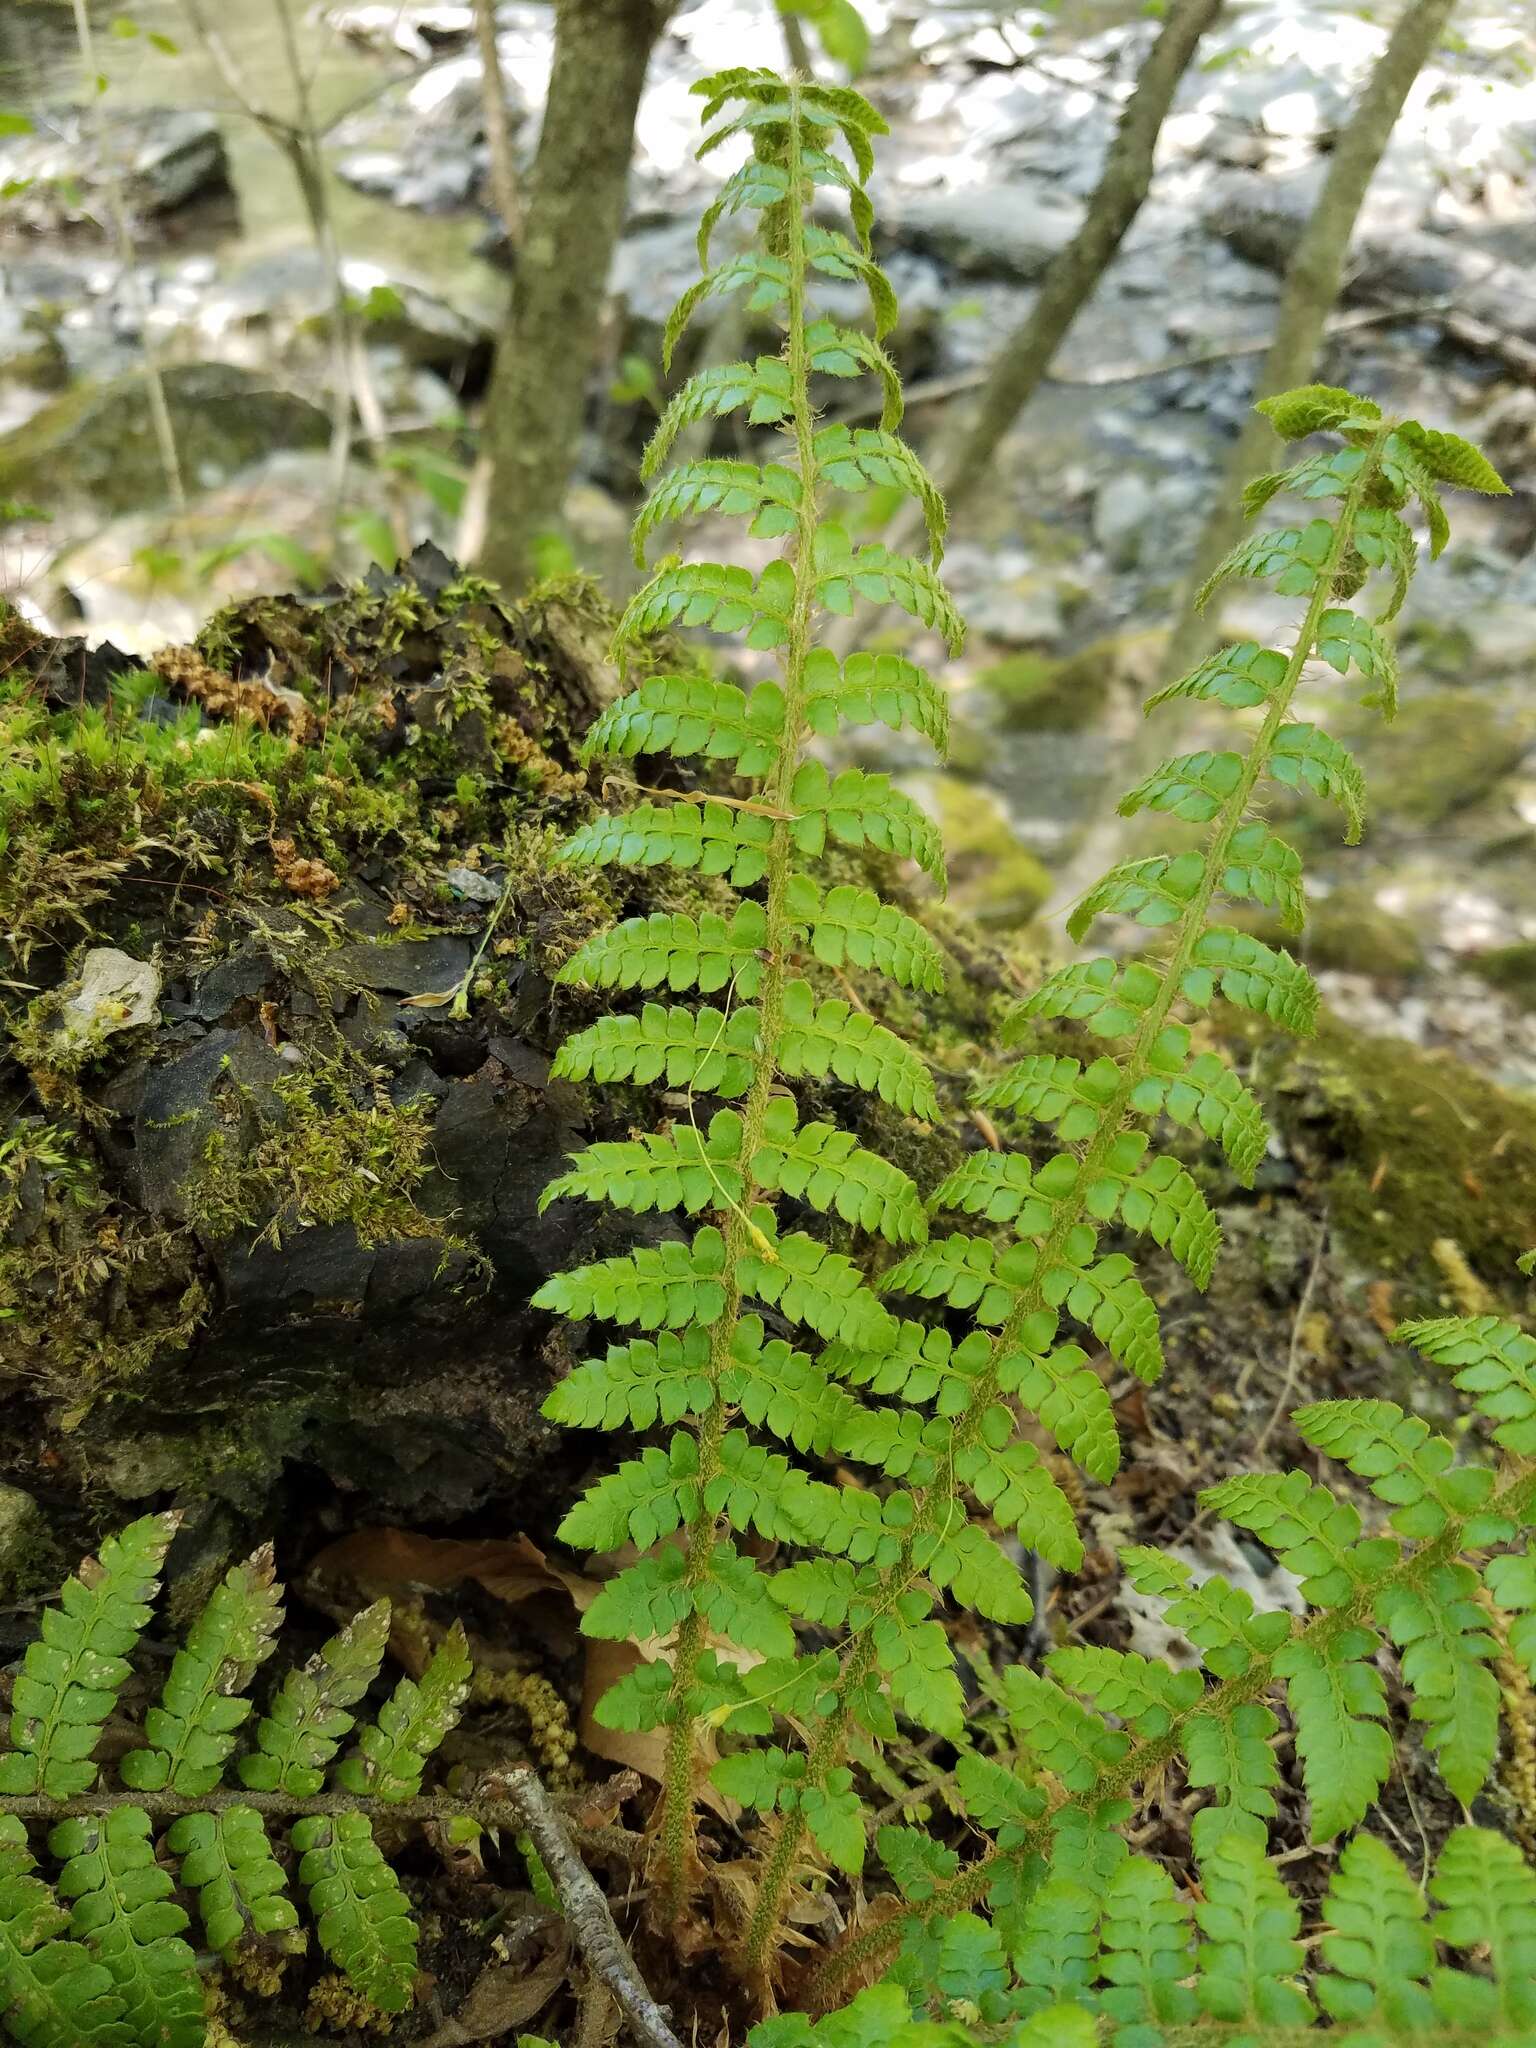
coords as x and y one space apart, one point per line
1074 274
1312 284
575 208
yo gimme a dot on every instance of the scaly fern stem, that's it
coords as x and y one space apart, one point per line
936 1504
864 1955
678 1823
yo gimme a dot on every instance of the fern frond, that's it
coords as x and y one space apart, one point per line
363 1917
1072 1743
760 388
671 950
391 1753
302 1729
704 838
859 809
1250 1958
1252 976
192 1730
762 276
665 1286
637 1385
686 715
71 1677
1486 1892
1067 1395
1441 1633
1306 756
1405 1463
1013 1481
707 1050
874 689
684 1168
714 594
867 458
124 1912
241 1889
56 1994
1378 1949
872 571
1338 1700
832 1038
1229 1754
848 926
1104 997
765 496
1239 676
1494 1362
827 1168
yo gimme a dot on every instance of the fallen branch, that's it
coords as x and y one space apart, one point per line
592 1925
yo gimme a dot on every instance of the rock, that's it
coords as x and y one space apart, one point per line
416 30
1002 230
472 886
97 441
115 993
161 156
1122 517
29 1560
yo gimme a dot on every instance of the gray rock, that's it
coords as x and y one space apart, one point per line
176 1112
1008 230
472 885
97 442
114 993
414 967
161 157
1122 512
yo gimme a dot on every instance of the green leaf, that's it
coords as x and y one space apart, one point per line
1156 891
1191 786
124 1912
1076 1746
1306 755
707 1051
1229 1753
852 927
1262 869
686 715
828 1169
1378 1949
762 389
855 808
872 571
57 1995
1452 460
1062 1389
1511 1580
1254 977
1146 1938
1338 1700
1250 1959
1291 557
1013 1481
71 1677
298 1736
873 689
671 950
682 1168
1208 1094
705 838
1446 1649
866 458
1494 1362
1487 1895
1239 676
1147 1696
1405 1464
1106 998
1382 541
834 1814
389 1756
645 1499
739 490
1314 409
364 1918
1346 641
819 1039
663 1286
241 1890
721 596
192 1730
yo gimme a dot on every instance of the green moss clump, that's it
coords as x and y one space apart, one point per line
992 876
1509 968
1348 930
323 1158
1444 753
1413 1148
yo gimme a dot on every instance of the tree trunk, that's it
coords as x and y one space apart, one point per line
1074 274
575 208
1312 284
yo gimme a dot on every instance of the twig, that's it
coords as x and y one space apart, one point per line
154 383
592 1926
1293 1355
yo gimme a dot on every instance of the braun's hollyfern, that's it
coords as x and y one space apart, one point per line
937 1416
703 1363
98 1956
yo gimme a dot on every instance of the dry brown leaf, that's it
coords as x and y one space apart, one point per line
379 1561
503 1998
642 1750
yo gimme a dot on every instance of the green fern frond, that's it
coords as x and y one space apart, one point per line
830 1037
671 950
874 689
300 1732
709 1051
848 926
391 1753
123 1911
687 715
241 1889
704 838
363 1917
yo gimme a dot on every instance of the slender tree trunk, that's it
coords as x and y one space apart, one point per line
575 208
498 125
1312 284
1074 274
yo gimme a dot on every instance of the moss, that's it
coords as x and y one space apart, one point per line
1350 931
1067 693
324 1158
1443 754
1509 968
991 876
1412 1148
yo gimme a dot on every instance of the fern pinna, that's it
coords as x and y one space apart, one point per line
1115 1957
110 1968
1095 1734
702 1359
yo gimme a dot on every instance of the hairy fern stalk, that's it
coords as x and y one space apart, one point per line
111 1969
711 1365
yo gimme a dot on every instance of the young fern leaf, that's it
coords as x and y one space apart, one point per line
709 1372
110 1967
